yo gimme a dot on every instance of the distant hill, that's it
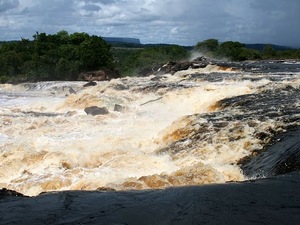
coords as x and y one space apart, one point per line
122 40
260 47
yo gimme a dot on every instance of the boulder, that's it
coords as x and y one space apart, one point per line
10 193
172 67
119 108
72 91
90 83
99 75
95 110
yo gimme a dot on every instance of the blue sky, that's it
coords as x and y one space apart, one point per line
183 22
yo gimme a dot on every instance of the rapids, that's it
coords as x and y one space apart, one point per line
189 128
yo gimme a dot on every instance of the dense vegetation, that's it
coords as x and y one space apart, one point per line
53 57
64 56
133 60
239 52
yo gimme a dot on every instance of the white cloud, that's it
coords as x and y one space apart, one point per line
172 21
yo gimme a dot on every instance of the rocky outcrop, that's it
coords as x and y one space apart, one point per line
90 83
173 67
99 75
72 91
95 110
119 108
268 201
280 158
10 193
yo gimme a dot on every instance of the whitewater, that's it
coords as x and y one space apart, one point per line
190 128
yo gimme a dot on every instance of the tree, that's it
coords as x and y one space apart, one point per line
268 52
248 54
209 45
54 57
95 53
231 50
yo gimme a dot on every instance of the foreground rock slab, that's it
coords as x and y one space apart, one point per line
268 201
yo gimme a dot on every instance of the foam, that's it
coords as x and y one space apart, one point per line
59 147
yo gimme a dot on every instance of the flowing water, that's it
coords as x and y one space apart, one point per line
193 127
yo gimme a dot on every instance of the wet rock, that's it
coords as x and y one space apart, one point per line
42 114
268 201
89 84
148 71
72 91
10 193
95 110
70 113
157 78
119 87
99 75
281 157
119 108
173 67
105 189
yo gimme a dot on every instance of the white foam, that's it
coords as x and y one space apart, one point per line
79 151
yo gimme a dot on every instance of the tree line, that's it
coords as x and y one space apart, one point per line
57 56
237 51
63 56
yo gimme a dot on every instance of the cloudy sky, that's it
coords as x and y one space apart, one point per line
183 22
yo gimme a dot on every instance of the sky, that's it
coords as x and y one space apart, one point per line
182 22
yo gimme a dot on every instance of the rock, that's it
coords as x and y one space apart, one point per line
99 75
148 71
72 91
172 67
95 110
119 87
267 201
200 62
156 78
280 158
119 108
91 83
105 189
70 113
10 193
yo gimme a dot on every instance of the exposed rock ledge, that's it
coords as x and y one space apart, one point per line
268 201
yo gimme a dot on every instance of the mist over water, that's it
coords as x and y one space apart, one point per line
171 131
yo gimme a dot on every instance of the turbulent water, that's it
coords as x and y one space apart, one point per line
193 127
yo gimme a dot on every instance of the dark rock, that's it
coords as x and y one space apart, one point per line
105 189
99 75
148 71
95 110
91 83
120 87
10 193
119 108
173 67
280 158
70 113
156 78
200 62
72 91
273 201
41 114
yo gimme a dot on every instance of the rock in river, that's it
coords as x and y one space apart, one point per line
95 110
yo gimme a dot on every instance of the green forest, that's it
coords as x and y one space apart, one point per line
64 56
53 57
237 51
